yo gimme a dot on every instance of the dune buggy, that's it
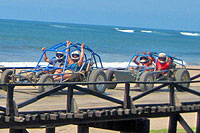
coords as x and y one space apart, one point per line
176 72
91 70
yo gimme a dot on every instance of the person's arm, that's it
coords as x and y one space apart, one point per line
80 62
134 59
45 55
69 59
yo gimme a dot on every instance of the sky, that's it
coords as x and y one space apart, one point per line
159 14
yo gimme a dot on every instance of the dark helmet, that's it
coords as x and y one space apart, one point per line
59 55
144 59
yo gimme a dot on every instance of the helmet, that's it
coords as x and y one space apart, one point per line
75 55
144 59
59 55
162 57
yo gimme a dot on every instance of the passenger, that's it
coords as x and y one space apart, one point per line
163 62
145 61
75 61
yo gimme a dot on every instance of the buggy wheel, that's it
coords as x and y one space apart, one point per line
182 75
6 78
111 77
46 78
97 75
146 77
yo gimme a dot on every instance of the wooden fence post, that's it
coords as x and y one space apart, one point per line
173 117
69 98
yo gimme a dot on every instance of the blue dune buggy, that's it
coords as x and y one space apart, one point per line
91 70
176 72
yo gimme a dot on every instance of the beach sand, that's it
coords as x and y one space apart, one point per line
59 100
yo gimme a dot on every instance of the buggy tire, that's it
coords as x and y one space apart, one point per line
5 78
182 75
97 75
45 78
110 76
146 77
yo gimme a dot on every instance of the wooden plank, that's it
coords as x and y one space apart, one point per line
172 123
19 119
162 109
7 119
69 98
18 130
83 129
184 124
154 109
113 112
185 108
35 117
120 112
45 116
140 110
28 117
50 130
62 115
147 109
70 115
91 113
54 116
81 115
127 111
100 113
198 122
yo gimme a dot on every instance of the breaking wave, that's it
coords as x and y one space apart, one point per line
125 30
146 31
33 64
59 26
190 34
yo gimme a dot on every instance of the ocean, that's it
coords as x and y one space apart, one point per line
21 41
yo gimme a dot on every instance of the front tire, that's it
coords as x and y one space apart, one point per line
6 78
46 78
146 77
111 77
97 75
182 75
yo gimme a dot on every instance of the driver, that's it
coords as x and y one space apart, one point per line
75 61
59 61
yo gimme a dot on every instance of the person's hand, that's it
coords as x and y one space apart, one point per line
149 53
68 43
82 45
43 49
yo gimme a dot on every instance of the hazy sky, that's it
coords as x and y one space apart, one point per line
162 14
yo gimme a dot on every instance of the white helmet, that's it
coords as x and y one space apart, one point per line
59 55
162 57
75 55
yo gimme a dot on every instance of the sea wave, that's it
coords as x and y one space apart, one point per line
146 31
33 64
190 34
125 30
59 26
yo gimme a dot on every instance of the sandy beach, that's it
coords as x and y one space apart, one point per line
58 101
